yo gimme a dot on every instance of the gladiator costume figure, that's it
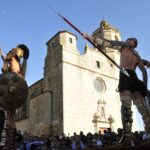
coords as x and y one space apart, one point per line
130 87
14 66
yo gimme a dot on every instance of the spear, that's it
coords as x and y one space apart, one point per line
99 49
90 41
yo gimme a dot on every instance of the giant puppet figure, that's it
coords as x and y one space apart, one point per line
130 87
13 92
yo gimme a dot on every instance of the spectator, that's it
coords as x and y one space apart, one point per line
27 141
98 140
136 138
146 138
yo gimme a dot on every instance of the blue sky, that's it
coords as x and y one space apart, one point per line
31 22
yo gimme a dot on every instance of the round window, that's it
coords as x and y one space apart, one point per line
99 85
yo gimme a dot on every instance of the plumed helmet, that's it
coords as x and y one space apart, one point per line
135 41
25 50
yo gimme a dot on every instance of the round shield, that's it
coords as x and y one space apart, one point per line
13 91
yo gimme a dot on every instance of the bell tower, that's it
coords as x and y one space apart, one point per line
106 31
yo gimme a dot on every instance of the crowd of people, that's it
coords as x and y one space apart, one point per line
28 141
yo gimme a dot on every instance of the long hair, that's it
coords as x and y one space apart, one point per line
24 67
25 57
25 50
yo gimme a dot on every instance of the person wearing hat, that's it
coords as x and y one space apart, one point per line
14 61
130 87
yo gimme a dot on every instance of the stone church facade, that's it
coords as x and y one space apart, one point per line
78 91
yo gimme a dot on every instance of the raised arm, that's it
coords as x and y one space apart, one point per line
106 43
2 56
